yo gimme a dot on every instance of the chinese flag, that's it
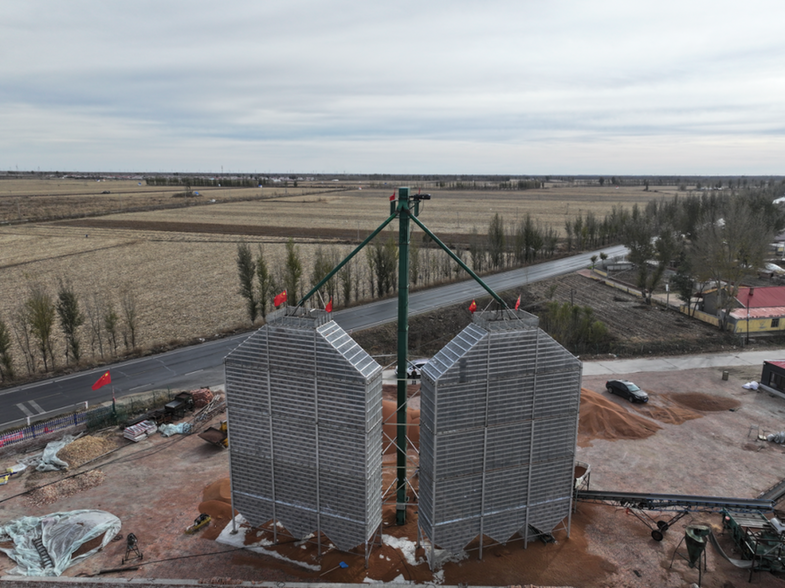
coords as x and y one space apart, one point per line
518 302
392 197
103 381
329 307
280 299
472 307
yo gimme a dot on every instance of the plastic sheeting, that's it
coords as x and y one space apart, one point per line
179 429
49 460
61 533
776 437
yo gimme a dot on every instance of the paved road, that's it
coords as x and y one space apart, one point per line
614 367
202 365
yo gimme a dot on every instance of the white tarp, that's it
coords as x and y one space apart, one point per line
49 460
62 533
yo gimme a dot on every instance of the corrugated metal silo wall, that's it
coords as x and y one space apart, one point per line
499 419
305 429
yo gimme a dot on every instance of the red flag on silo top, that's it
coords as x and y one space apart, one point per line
472 307
518 302
392 197
103 381
329 307
280 299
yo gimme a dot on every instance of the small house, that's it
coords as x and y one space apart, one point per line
760 310
773 376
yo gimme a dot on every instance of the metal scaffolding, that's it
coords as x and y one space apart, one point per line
499 424
304 404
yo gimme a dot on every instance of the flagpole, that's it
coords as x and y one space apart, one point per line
114 406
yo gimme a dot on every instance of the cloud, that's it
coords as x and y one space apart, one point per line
366 87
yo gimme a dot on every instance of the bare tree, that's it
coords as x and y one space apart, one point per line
638 237
21 326
71 318
6 360
264 282
94 309
40 310
322 265
345 277
293 271
477 251
130 316
414 261
246 270
496 241
111 322
731 247
382 261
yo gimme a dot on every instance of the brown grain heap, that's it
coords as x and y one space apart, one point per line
601 418
217 502
704 402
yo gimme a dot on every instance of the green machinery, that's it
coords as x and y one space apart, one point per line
760 540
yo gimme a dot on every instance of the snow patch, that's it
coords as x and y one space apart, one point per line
405 546
238 540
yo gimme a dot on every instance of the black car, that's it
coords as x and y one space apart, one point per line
626 389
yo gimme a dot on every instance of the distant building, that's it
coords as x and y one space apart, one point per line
755 310
773 376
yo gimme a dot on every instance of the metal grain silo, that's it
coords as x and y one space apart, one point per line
498 430
304 405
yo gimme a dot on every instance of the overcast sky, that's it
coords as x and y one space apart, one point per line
516 87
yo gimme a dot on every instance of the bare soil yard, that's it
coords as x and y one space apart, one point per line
712 453
636 328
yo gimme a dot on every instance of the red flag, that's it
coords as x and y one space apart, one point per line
472 307
392 197
329 307
279 299
103 381
518 302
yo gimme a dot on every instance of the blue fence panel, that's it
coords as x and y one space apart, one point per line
39 429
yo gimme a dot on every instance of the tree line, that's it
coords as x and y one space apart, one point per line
200 181
373 273
713 239
99 322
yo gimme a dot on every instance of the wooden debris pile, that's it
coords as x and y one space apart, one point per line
65 488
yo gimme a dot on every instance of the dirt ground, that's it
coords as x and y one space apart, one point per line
156 488
636 328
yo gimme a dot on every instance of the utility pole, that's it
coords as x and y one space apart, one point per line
404 232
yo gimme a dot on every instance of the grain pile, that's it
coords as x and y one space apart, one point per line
65 488
704 402
85 449
672 415
601 418
217 502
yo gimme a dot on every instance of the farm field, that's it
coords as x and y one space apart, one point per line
179 263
